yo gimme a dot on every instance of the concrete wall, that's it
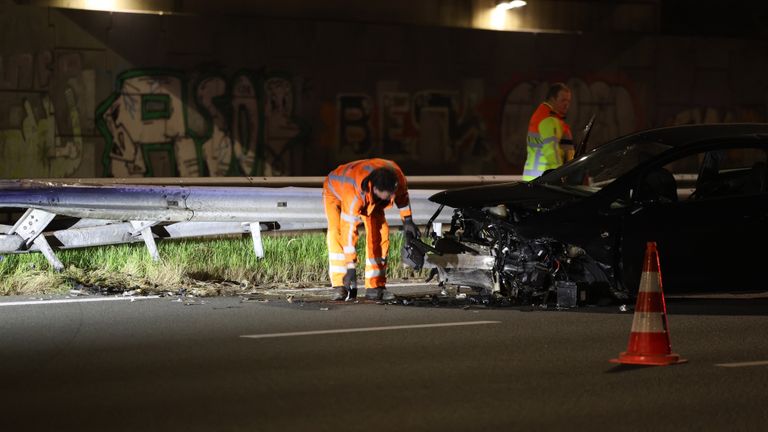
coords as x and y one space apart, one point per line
96 94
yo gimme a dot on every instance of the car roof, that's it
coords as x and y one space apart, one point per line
687 134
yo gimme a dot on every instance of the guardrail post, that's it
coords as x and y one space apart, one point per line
48 253
256 235
30 227
145 228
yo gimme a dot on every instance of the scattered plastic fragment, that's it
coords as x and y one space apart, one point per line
623 308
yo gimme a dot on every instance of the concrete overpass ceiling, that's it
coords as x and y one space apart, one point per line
736 18
536 15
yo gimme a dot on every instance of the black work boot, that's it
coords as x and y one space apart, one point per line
378 293
351 294
339 293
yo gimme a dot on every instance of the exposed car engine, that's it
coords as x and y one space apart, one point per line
482 250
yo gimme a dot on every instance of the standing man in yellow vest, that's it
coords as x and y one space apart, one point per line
550 142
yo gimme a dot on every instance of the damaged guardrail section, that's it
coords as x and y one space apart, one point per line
89 215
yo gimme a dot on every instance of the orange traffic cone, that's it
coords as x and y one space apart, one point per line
649 339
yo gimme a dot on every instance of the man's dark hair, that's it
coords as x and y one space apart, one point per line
383 179
555 89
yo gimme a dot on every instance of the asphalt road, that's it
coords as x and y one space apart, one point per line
159 364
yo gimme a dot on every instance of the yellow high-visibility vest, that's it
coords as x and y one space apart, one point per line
546 130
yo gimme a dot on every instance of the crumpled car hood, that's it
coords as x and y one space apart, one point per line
515 194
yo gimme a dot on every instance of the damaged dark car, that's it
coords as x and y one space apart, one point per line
577 234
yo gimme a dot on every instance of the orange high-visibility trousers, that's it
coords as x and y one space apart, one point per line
376 249
342 238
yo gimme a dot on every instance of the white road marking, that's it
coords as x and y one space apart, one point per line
84 300
744 364
366 329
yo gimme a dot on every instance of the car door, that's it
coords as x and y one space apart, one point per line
706 234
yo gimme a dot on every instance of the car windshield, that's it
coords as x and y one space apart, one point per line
601 166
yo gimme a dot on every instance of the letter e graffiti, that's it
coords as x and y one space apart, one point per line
354 130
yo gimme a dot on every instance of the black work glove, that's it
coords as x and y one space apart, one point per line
350 279
410 228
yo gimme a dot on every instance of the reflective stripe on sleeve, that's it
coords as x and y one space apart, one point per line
333 191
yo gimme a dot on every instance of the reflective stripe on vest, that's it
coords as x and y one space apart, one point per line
543 152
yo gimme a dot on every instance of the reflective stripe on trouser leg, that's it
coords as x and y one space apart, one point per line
336 259
376 249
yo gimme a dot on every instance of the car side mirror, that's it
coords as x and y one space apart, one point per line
617 207
621 206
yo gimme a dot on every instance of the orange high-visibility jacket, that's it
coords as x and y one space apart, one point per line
344 184
546 131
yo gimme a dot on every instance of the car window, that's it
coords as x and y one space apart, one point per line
602 166
719 174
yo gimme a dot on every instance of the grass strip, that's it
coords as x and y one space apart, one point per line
221 266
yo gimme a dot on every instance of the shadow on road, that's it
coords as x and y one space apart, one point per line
620 368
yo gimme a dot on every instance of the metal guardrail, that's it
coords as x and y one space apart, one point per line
414 182
97 212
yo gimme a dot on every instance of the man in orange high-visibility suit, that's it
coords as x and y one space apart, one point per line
362 190
550 142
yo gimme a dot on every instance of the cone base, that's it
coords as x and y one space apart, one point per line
649 360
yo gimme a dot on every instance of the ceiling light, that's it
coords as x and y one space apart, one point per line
507 5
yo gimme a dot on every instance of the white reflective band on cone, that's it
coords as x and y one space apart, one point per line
648 322
649 282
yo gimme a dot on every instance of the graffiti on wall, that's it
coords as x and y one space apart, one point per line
433 127
165 123
700 115
454 130
612 104
45 99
